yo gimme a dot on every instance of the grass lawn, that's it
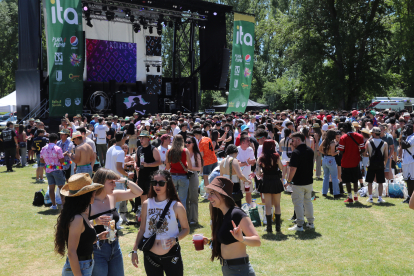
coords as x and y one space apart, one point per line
356 239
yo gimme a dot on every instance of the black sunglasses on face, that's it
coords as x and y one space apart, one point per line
160 183
188 142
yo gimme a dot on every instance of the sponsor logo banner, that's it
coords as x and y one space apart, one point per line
242 65
63 20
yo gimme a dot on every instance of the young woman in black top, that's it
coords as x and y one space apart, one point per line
232 230
73 227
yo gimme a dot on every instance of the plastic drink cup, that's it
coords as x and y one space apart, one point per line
246 187
163 239
142 158
198 240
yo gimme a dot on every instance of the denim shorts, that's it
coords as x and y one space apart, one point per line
56 178
209 168
38 161
86 268
236 270
84 169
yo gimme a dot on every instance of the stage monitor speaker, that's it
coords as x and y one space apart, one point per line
139 87
112 86
224 69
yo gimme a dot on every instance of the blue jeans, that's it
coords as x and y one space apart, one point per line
86 268
85 169
56 178
108 260
238 270
181 183
329 168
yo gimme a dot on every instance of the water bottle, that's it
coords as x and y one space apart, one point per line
202 190
253 205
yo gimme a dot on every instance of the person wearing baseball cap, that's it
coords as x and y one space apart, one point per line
73 222
377 151
232 230
67 146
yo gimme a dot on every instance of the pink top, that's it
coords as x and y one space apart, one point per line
51 155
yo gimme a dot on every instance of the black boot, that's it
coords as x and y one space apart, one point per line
407 200
269 223
278 222
330 188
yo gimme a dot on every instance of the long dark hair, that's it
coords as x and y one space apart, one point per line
21 129
177 147
330 136
268 154
196 151
216 221
214 135
131 129
171 191
73 206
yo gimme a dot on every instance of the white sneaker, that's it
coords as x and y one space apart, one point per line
53 207
310 225
380 200
370 200
296 228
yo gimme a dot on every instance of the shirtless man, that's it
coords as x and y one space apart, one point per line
83 156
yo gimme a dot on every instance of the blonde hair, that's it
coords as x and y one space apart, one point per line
102 175
177 147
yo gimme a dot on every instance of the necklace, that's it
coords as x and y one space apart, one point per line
103 200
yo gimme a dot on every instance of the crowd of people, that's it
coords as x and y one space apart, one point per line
158 164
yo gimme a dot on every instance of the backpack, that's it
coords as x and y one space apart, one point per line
376 160
39 198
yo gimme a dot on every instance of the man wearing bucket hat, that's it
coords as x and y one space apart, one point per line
52 156
147 159
234 233
67 146
74 229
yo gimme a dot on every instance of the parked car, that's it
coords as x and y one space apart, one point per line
12 119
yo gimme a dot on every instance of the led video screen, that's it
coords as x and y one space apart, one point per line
111 60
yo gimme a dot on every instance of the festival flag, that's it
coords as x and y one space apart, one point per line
242 63
65 48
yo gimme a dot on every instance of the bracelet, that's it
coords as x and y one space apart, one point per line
244 239
126 181
97 238
133 252
94 222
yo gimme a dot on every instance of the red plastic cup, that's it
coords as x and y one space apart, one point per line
198 240
247 188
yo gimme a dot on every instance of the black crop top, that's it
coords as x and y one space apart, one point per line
223 233
101 228
86 240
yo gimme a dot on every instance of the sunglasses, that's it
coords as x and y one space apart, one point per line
160 183
188 142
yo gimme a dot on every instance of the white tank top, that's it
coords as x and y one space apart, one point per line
154 211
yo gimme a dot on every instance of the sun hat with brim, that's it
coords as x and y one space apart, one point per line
356 124
316 125
79 184
76 134
65 131
366 131
376 130
244 127
31 119
144 133
222 185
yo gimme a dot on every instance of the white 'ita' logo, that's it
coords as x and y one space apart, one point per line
59 9
242 38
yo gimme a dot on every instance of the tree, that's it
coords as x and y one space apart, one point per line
8 45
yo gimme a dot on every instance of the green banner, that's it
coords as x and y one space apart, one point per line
242 63
65 50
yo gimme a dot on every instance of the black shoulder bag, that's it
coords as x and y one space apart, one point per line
146 244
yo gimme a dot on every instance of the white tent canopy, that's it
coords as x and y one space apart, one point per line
8 103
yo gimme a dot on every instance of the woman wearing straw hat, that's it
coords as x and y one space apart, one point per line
232 230
108 255
73 227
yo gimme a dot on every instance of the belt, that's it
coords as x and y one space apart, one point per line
83 165
85 258
179 174
238 261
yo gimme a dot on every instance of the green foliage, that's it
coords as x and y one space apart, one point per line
8 45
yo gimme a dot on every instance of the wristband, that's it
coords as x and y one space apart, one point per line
244 239
94 222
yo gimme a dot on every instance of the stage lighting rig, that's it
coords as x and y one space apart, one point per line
132 18
112 8
104 8
88 22
127 12
148 67
150 29
159 30
110 16
142 20
160 19
85 7
137 28
158 68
